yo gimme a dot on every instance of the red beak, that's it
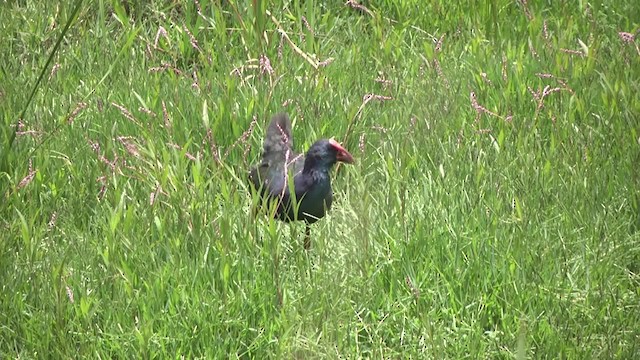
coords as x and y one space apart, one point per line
343 155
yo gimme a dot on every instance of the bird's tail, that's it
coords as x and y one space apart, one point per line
278 137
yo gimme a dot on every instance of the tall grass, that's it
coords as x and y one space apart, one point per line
492 211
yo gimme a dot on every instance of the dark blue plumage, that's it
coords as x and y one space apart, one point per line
311 182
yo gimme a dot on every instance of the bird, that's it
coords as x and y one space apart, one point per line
301 184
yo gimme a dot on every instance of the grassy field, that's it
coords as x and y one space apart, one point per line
493 211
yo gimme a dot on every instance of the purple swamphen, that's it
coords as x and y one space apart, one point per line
308 175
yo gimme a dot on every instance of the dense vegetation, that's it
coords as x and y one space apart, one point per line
493 210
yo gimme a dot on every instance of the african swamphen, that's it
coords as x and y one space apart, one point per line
311 179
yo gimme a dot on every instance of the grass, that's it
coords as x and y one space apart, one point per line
493 210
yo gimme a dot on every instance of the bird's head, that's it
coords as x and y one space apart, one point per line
325 153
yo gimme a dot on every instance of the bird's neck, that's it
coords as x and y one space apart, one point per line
318 173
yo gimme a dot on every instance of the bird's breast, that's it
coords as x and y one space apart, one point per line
315 202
